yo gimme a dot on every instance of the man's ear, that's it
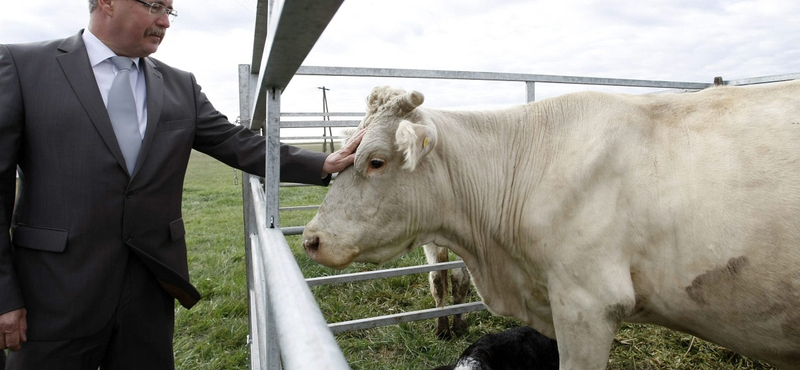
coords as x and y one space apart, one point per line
106 6
415 141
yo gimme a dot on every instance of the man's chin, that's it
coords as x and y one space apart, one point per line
150 49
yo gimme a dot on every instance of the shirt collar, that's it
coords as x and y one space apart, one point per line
98 51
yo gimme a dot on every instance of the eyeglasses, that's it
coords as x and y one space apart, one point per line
160 9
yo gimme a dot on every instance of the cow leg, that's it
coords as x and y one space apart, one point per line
586 316
438 285
459 281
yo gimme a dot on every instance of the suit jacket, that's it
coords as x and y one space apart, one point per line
78 213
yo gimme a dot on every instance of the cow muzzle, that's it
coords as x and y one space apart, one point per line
311 245
326 255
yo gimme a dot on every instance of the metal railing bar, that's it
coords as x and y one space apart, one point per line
378 274
293 230
291 31
267 343
493 76
316 138
254 339
293 185
265 348
302 124
298 208
301 328
374 322
323 114
764 79
257 333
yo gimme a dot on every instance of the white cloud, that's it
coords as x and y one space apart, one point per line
683 40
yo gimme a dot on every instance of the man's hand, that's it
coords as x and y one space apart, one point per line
345 156
13 327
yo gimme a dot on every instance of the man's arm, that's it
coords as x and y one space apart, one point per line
241 148
315 168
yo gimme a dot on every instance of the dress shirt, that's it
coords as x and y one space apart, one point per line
104 72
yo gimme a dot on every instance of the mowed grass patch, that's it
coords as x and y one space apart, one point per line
213 334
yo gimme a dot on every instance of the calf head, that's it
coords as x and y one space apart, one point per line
381 207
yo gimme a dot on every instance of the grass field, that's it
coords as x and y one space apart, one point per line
213 334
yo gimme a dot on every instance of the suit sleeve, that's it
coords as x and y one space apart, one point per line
11 123
303 166
241 148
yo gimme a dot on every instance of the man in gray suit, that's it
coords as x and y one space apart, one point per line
92 255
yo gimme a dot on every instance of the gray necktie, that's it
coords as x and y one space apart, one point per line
122 112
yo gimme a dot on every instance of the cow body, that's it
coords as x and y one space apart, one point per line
577 212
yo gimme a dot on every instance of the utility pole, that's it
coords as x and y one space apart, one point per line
325 117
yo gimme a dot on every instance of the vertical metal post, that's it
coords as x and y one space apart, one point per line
245 94
254 126
256 355
272 179
531 88
264 347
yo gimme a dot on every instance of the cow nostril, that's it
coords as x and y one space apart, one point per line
311 244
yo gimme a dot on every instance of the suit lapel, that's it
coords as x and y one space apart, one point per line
76 66
155 92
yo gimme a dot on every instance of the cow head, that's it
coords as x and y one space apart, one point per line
413 139
380 208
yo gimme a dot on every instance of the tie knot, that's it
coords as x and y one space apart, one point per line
122 63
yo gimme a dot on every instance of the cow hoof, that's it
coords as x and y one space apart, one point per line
459 327
444 334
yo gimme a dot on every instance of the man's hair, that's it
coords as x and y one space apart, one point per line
92 5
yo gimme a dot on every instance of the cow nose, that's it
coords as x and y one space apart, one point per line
311 244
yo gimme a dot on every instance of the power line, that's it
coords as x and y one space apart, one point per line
325 130
250 8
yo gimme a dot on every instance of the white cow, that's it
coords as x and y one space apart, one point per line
577 212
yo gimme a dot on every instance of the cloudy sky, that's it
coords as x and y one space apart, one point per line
675 40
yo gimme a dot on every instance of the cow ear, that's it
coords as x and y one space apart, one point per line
415 141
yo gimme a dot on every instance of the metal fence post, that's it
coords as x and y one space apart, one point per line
530 86
263 338
273 171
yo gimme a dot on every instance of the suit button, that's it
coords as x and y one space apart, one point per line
129 194
127 238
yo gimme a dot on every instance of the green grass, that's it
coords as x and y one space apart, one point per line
213 334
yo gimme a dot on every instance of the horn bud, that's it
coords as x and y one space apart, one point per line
410 101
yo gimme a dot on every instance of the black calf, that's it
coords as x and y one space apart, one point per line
519 348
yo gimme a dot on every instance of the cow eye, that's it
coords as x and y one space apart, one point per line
376 163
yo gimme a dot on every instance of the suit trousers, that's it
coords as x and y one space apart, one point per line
139 335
